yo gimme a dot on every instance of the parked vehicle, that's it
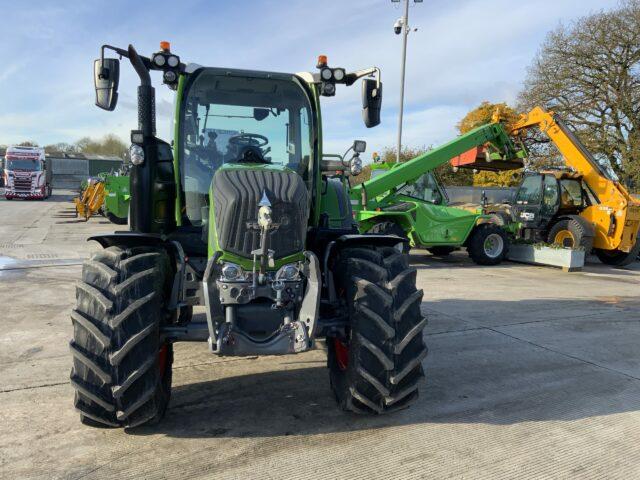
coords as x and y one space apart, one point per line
27 173
236 222
406 199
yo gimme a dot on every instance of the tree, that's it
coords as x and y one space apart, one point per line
110 144
61 147
28 143
589 73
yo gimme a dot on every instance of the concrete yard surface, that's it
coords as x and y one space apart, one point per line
532 373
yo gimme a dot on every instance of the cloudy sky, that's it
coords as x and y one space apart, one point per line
464 52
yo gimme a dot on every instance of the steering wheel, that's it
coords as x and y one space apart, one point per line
249 139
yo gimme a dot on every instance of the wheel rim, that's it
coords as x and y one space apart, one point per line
565 238
342 354
493 245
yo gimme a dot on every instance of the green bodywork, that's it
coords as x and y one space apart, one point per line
426 218
116 200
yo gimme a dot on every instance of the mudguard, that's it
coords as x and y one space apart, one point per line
130 239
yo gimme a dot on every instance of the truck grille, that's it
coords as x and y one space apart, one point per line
22 184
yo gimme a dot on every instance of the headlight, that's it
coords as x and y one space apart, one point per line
173 61
169 76
288 272
339 74
232 272
159 60
326 74
356 166
137 154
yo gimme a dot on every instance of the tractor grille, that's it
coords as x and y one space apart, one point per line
236 194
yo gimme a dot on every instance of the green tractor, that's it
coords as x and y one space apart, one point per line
407 200
233 217
117 196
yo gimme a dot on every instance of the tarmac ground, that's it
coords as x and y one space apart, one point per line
532 373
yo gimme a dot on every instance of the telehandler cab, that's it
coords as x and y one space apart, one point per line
233 216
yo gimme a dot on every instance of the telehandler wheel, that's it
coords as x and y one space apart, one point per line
115 219
488 244
572 232
618 258
441 251
391 228
376 367
121 367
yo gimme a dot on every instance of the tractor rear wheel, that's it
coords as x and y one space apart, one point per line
376 366
391 228
572 232
121 367
488 244
618 258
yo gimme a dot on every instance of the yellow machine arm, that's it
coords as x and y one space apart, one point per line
616 217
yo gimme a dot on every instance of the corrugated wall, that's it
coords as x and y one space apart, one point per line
70 172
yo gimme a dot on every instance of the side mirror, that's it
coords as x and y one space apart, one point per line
371 101
106 76
260 114
359 146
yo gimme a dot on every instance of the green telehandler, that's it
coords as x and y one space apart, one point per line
406 199
233 217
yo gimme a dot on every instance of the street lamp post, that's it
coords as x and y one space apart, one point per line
402 27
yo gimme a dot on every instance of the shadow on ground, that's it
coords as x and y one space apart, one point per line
562 369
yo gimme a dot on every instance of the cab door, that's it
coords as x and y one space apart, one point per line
528 201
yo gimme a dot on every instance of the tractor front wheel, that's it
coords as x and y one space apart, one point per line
376 366
121 367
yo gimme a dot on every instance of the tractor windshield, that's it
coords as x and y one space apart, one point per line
241 120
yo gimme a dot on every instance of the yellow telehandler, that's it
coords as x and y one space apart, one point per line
583 205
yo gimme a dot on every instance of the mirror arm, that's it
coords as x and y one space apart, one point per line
139 65
350 78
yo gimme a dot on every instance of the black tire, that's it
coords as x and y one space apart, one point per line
377 366
8 198
115 219
477 243
391 228
121 370
577 231
618 258
441 251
